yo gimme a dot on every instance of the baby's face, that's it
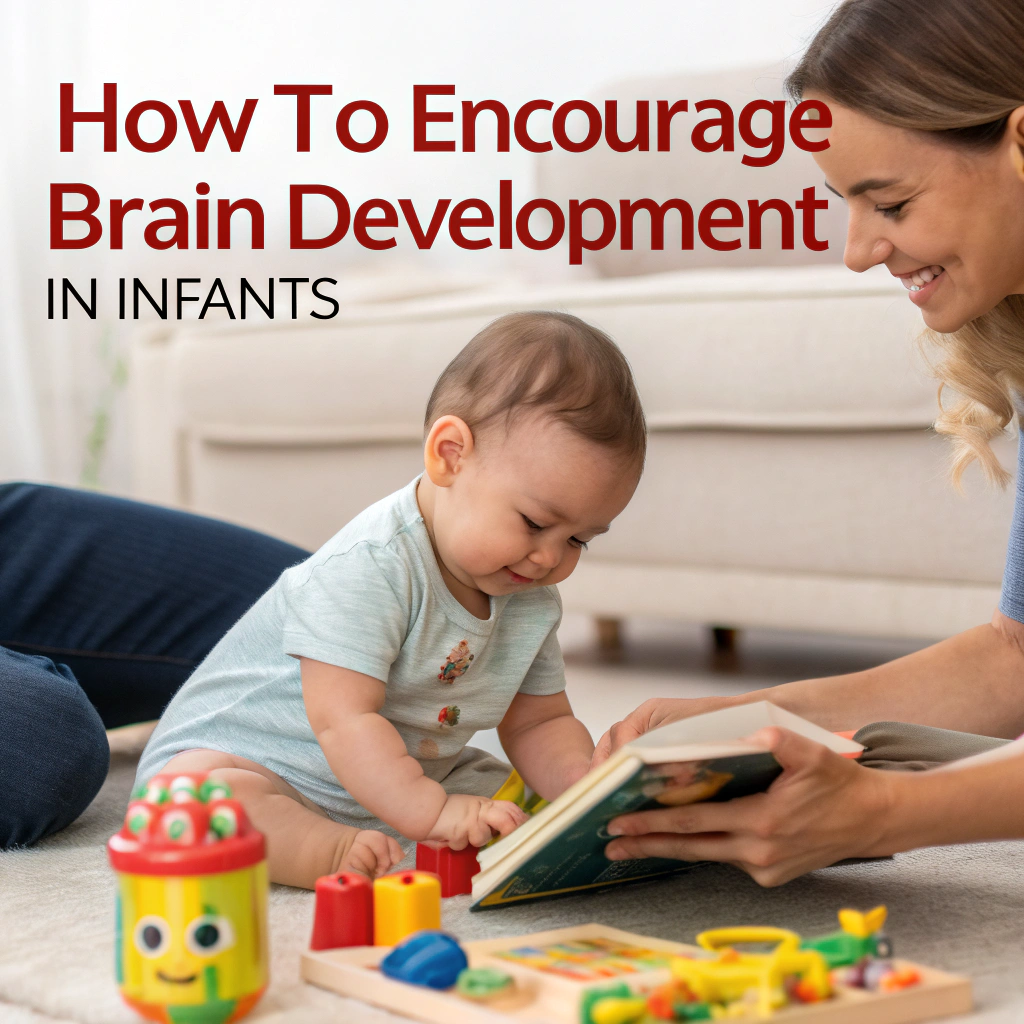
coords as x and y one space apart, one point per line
525 504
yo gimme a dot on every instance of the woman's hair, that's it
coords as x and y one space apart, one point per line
954 68
547 362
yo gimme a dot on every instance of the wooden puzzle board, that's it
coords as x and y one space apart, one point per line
552 998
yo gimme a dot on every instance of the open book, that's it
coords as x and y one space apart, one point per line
561 848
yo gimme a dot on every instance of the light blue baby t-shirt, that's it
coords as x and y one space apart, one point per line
372 599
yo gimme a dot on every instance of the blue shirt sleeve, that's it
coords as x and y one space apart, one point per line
1011 603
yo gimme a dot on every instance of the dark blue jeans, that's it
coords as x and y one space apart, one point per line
106 606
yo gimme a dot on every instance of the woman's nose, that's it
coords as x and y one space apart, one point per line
865 248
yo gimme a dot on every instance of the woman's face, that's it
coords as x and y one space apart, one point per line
948 221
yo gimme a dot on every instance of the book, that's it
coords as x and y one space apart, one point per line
560 850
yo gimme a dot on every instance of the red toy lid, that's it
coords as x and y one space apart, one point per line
184 824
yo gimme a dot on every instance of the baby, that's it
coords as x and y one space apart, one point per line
338 708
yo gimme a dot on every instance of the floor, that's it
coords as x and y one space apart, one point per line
960 909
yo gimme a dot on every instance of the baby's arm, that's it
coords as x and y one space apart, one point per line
547 744
367 754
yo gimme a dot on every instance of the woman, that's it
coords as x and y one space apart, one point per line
927 148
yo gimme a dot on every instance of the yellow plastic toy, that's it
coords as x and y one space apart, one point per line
619 1010
191 927
863 924
752 982
860 935
403 903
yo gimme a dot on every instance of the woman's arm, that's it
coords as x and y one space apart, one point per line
824 808
973 682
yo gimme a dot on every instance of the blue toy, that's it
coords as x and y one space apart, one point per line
429 958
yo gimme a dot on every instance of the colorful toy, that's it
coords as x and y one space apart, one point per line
191 921
455 868
353 911
429 958
757 978
859 935
403 903
593 974
484 984
344 911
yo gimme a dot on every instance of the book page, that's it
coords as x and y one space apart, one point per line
726 727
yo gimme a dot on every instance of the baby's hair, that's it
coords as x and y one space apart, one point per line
550 362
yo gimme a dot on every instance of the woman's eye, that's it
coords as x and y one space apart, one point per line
890 211
531 524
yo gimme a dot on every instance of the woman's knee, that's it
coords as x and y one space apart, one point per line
55 756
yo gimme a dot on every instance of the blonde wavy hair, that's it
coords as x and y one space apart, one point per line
955 68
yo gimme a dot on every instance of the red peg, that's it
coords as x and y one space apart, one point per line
455 868
344 911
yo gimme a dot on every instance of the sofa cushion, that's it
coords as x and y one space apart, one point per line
808 348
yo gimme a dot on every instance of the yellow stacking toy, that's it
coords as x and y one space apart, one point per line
403 903
191 924
733 976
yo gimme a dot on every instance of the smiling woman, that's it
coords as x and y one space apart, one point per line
927 148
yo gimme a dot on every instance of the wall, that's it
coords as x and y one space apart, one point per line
61 413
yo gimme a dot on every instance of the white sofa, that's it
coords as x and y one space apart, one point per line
792 482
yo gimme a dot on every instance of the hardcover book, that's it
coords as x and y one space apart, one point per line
560 850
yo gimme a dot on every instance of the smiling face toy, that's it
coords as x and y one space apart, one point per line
191 930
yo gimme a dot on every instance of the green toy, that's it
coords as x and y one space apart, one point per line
860 935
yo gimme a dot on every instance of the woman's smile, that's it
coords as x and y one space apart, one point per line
921 283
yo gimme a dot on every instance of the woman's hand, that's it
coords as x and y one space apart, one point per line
821 809
652 713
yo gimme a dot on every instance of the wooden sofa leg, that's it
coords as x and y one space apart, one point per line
723 639
609 635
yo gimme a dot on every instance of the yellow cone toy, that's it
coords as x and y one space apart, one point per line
191 933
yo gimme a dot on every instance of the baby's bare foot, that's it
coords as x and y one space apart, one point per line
370 853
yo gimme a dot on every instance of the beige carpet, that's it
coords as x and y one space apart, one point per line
56 928
962 910
959 909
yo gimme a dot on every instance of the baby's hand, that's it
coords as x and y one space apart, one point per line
473 820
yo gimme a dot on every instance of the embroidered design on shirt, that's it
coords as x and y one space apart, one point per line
457 663
449 716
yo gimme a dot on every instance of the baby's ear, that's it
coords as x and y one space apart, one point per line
449 443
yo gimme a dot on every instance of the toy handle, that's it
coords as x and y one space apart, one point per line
716 938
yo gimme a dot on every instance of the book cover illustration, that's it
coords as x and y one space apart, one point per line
575 860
